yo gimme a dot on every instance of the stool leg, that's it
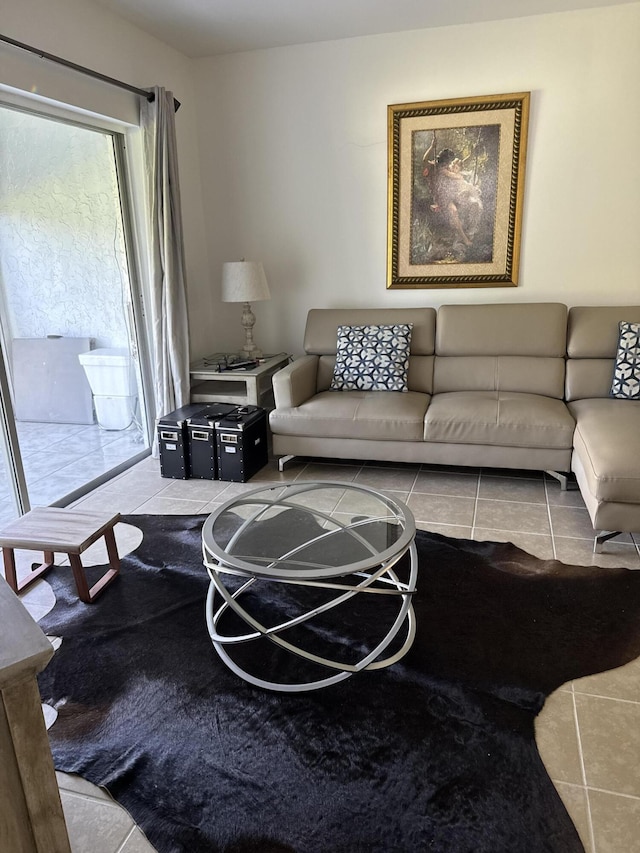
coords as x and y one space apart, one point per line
89 595
10 573
9 560
112 549
80 578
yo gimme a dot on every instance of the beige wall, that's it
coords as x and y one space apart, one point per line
286 151
294 160
90 36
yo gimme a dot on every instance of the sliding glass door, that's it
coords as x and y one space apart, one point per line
12 482
73 398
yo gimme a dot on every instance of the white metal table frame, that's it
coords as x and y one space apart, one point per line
377 569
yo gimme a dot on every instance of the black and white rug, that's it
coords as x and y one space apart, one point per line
435 753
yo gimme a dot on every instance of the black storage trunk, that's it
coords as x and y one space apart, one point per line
241 439
173 441
201 430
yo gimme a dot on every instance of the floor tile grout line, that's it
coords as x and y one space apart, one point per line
446 495
610 793
514 501
583 771
551 533
475 505
126 839
608 698
109 802
415 480
413 484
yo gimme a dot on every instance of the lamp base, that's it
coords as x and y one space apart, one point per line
250 350
251 353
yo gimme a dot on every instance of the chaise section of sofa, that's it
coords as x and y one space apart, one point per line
498 387
606 455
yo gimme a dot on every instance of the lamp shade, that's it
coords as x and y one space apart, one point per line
244 281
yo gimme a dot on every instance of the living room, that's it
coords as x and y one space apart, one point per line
283 159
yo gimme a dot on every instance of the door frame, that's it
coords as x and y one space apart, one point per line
129 167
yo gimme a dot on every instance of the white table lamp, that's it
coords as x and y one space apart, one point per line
245 281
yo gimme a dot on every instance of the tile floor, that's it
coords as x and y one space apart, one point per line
60 458
589 730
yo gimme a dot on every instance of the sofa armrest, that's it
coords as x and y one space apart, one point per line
296 382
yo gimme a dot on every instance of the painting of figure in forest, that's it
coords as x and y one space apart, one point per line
453 198
455 178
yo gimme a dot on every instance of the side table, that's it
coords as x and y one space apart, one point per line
251 387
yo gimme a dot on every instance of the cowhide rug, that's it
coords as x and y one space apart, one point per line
435 753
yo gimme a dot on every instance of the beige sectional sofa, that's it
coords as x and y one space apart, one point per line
503 385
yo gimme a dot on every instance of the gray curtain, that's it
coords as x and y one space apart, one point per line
167 302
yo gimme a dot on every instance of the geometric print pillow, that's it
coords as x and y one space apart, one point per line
372 358
626 372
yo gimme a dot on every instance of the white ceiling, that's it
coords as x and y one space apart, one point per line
209 27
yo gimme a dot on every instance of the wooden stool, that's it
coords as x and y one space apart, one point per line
67 531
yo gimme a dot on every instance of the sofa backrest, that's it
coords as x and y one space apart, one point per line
592 343
321 338
501 347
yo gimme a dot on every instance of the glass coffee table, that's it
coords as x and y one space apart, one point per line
311 582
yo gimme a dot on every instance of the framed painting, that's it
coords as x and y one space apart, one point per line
455 191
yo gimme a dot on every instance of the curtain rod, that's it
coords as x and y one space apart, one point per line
145 93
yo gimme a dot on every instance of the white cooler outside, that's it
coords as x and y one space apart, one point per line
112 379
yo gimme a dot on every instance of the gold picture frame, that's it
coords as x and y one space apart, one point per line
455 191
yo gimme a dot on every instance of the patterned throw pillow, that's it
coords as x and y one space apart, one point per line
372 358
626 372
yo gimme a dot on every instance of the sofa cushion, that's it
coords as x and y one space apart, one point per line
372 358
607 440
322 326
592 342
593 330
626 369
502 418
536 329
384 415
526 375
587 378
503 347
